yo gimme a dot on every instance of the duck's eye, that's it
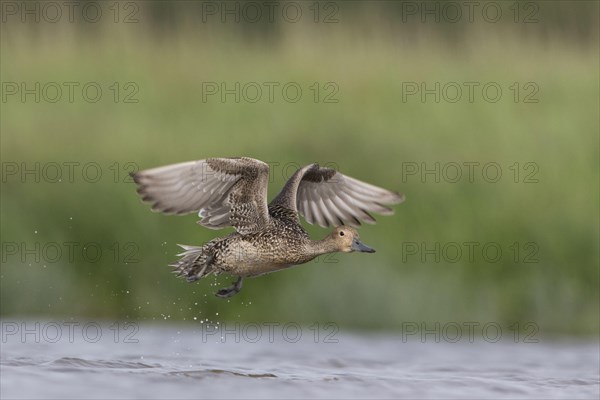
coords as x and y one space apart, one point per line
341 233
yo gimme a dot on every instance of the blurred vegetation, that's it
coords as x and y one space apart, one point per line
370 134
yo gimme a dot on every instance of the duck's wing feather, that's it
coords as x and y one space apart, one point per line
223 191
330 198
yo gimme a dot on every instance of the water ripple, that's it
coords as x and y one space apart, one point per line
356 367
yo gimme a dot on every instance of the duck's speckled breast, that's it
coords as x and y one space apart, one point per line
263 252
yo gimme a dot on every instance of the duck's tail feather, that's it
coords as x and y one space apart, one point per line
195 263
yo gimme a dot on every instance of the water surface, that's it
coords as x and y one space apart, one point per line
191 362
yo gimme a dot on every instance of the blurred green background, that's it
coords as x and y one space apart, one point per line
368 53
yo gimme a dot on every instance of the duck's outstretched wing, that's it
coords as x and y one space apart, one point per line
223 191
330 198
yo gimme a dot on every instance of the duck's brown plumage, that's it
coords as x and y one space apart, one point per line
233 192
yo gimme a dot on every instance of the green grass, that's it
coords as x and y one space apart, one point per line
368 134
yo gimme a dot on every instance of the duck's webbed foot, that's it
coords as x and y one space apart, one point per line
231 290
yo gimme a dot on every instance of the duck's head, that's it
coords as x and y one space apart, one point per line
347 240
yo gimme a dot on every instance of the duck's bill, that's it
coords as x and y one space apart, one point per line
357 245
